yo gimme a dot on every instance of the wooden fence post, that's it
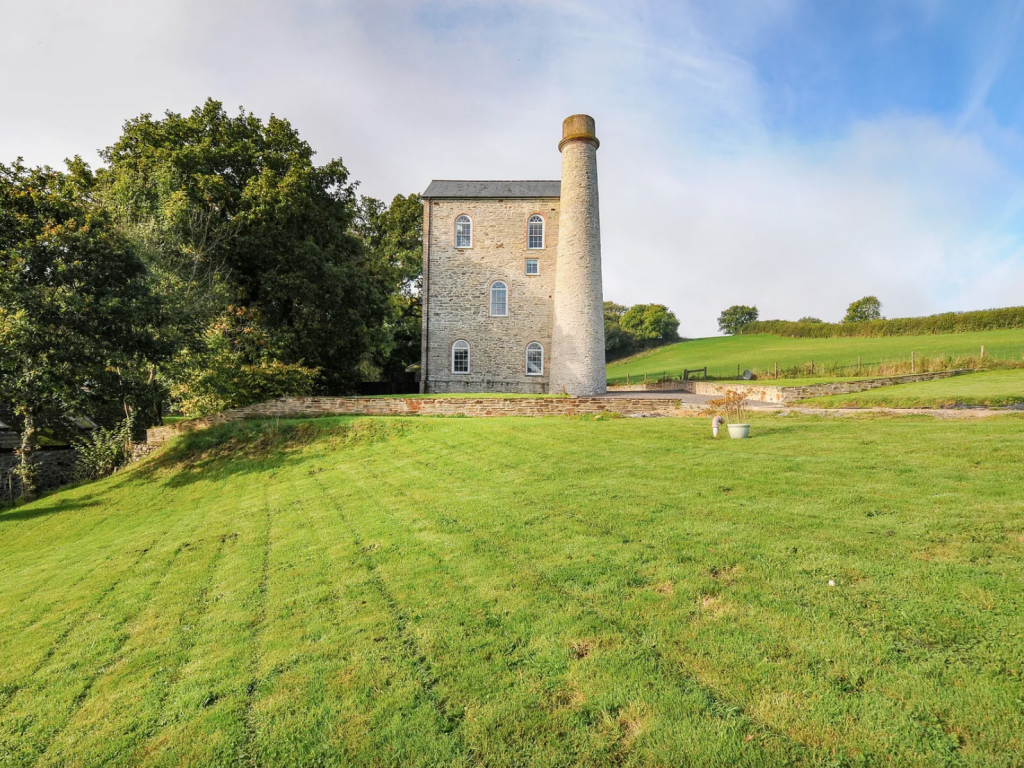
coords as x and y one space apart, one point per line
913 364
858 365
776 369
982 351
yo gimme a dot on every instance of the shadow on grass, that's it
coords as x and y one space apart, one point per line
40 508
253 447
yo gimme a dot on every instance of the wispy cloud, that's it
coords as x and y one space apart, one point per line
1006 36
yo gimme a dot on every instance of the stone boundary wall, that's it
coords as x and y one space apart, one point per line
306 407
54 468
767 393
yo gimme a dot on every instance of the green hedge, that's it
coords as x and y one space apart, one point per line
948 322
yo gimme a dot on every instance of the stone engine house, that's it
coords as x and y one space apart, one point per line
512 296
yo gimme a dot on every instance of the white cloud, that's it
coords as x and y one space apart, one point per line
702 205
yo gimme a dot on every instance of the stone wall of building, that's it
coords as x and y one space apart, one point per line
767 393
458 283
54 468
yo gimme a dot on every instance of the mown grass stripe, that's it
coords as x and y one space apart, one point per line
714 702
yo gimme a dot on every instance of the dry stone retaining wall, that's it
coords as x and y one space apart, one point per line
306 407
781 394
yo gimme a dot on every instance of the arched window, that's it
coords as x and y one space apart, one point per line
535 232
534 359
460 357
463 232
499 299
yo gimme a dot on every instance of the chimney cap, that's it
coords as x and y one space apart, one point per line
578 128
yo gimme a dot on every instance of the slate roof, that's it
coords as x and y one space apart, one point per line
495 189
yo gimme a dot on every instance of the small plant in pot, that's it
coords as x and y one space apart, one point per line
732 405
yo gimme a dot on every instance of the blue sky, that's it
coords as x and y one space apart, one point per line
791 154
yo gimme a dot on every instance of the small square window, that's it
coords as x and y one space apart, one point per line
533 266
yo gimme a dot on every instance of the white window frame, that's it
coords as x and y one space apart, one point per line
468 218
543 232
538 346
469 356
490 299
536 262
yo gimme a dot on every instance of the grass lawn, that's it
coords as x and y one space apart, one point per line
761 352
528 592
983 388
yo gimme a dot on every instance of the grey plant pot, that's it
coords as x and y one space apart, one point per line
739 431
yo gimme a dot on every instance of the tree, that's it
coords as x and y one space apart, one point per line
231 212
77 318
650 322
735 317
393 236
862 310
809 319
617 342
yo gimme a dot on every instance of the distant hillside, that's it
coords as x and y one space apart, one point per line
948 322
833 356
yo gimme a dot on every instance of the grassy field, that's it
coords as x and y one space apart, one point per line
723 354
546 592
983 388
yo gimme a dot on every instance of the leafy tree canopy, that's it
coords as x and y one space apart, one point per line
735 317
809 319
613 310
230 211
650 322
617 342
77 318
862 310
393 236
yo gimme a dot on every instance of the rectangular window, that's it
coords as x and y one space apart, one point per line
533 266
460 360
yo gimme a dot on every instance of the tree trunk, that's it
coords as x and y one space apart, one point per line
26 470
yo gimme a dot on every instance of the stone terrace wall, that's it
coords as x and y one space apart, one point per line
306 407
768 393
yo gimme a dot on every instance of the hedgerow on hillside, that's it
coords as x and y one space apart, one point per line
947 322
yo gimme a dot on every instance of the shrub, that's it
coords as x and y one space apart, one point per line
732 404
103 451
238 367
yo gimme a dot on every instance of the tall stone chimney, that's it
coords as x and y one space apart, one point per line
577 343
